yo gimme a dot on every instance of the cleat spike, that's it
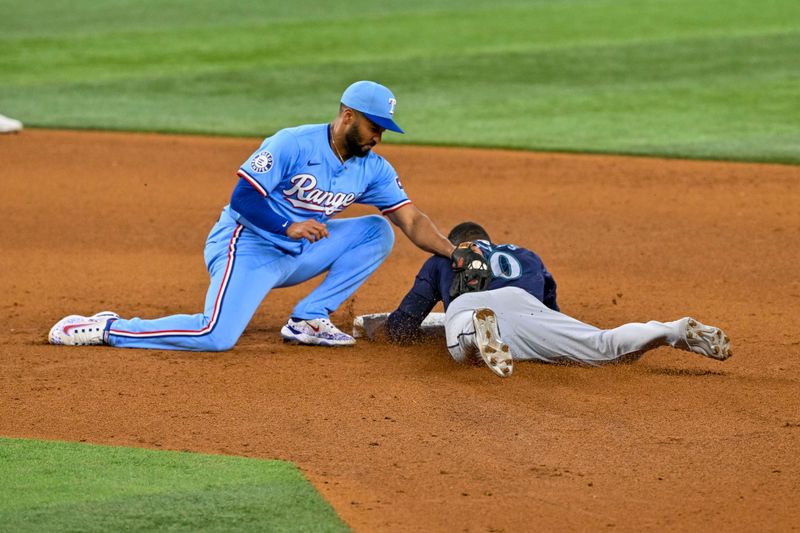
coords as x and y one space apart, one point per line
708 341
494 352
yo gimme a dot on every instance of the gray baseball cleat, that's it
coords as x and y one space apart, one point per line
493 350
707 341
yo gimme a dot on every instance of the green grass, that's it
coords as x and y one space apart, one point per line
686 78
57 486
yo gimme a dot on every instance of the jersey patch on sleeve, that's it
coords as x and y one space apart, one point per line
262 162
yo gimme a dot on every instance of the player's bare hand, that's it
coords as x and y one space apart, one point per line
312 230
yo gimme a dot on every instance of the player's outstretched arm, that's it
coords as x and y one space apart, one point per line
412 321
421 230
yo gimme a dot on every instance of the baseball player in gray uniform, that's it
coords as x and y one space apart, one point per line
517 316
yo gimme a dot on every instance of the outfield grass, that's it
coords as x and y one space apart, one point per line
696 78
57 486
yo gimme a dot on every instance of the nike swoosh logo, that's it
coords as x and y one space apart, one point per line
316 330
73 326
312 164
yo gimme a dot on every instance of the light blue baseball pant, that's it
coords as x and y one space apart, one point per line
244 267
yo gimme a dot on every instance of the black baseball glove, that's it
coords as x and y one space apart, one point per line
472 272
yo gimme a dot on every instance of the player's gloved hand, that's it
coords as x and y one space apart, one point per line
464 252
311 229
472 272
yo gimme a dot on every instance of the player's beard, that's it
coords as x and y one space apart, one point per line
354 144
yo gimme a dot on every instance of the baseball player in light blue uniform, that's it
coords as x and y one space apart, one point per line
277 232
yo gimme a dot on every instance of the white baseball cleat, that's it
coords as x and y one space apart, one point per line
77 330
9 125
315 332
493 350
707 341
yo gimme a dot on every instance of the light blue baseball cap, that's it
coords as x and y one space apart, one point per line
375 101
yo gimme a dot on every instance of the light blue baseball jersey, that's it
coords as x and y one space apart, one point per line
302 178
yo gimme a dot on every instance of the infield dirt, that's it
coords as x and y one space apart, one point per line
403 438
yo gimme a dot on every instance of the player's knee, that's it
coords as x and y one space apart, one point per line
600 343
382 232
218 341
